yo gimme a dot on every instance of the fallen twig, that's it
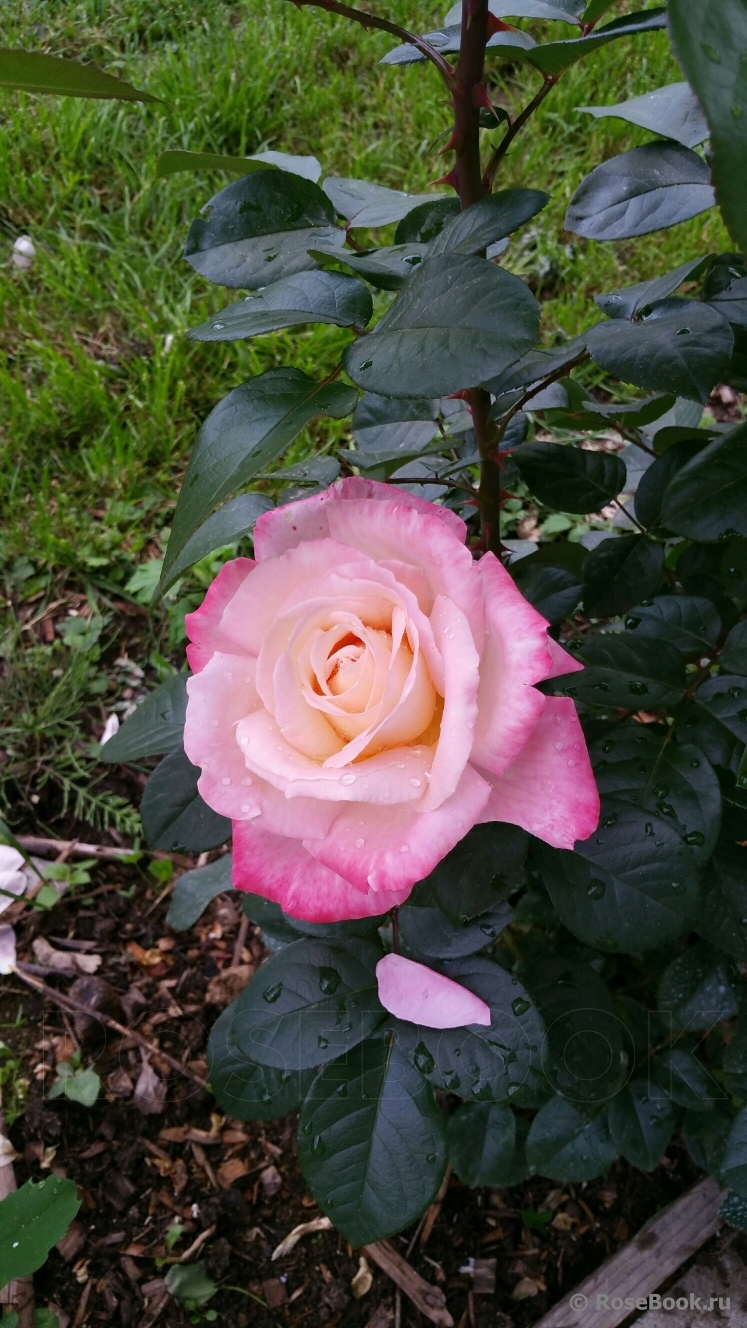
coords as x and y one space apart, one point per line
434 1212
69 1003
430 1300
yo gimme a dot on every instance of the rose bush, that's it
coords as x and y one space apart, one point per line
364 693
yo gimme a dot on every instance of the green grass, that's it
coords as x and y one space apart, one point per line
96 417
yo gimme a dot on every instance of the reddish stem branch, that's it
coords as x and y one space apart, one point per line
384 25
514 128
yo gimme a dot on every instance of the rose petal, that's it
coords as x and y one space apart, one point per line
290 525
7 949
550 789
462 679
562 662
390 848
516 655
204 625
413 992
280 869
219 696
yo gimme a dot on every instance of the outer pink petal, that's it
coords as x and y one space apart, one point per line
287 526
415 993
280 869
397 532
390 848
204 625
516 655
219 696
550 789
562 662
461 681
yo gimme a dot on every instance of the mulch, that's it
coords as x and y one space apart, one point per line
155 1151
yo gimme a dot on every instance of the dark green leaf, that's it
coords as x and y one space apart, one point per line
244 1089
485 1145
195 889
458 322
424 222
734 654
633 299
483 869
641 1124
386 269
230 523
732 302
168 163
681 346
484 1063
679 1074
734 1063
309 1002
699 988
631 886
554 57
549 580
371 205
593 414
724 919
190 1284
32 1220
733 1170
155 727
709 40
259 229
625 670
243 436
655 481
565 1145
709 495
489 220
688 622
587 1053
699 570
563 11
532 368
277 928
715 719
307 297
646 189
704 1134
372 1142
570 478
619 572
641 764
673 111
30 71
447 41
381 424
734 568
174 816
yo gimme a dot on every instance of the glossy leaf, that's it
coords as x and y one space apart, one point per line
489 220
307 297
709 495
385 269
174 816
688 622
531 368
232 522
699 988
619 572
656 480
564 1145
681 346
683 1078
486 1145
458 322
372 1142
570 478
371 205
554 57
550 580
631 886
381 424
32 1220
447 40
259 229
621 669
30 71
722 922
644 765
243 436
156 727
644 190
734 654
563 11
633 299
425 222
733 1169
709 40
309 1002
673 112
445 922
169 163
715 718
641 1124
243 1088
732 302
194 890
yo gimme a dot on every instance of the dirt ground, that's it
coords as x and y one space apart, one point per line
154 1151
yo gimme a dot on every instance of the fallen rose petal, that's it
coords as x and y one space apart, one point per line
12 878
418 994
7 949
110 728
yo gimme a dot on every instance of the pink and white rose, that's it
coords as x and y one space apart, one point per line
364 693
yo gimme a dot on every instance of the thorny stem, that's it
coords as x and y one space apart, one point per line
384 25
535 391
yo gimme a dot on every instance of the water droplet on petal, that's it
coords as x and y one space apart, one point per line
416 783
347 779
225 780
359 843
404 848
246 781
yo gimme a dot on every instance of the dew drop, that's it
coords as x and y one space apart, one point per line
423 1059
608 745
596 889
245 806
218 327
711 53
244 742
365 365
246 781
225 780
678 887
415 783
322 1041
609 820
638 688
329 980
273 993
359 843
571 763
661 790
520 1006
404 848
430 1157
347 779
318 1147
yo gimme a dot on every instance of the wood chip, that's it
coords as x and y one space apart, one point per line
72 1242
225 986
293 1237
428 1299
525 1288
150 1091
483 1276
60 961
229 1172
275 1293
271 1181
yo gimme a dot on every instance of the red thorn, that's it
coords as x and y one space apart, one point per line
450 179
458 396
481 98
454 144
497 25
